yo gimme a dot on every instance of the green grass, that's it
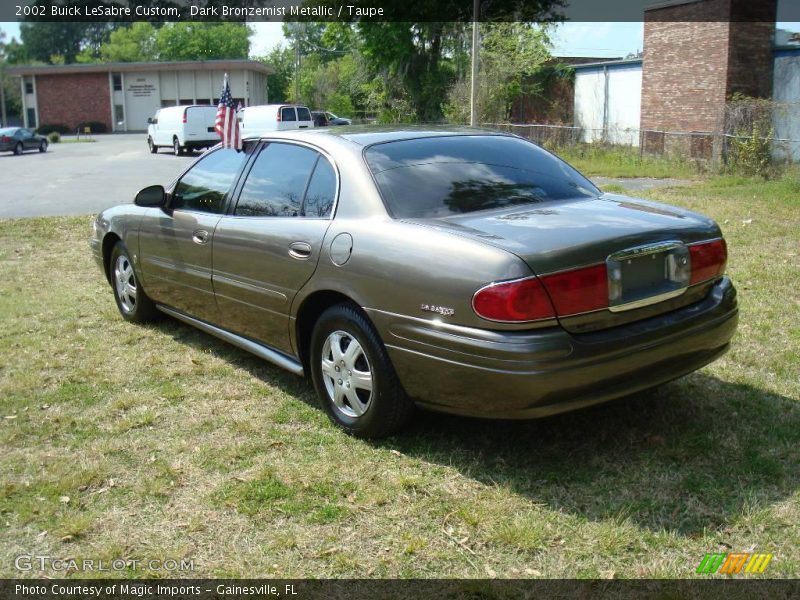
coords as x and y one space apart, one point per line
76 141
625 161
160 441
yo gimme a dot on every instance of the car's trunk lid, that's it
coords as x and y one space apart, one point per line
564 235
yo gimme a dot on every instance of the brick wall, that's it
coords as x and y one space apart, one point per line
71 99
699 53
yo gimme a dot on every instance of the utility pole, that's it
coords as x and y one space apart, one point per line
3 119
297 70
473 91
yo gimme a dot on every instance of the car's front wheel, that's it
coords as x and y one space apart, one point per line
18 148
132 301
43 146
152 146
354 377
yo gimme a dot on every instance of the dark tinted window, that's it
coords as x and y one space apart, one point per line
275 184
288 114
303 114
117 78
204 187
440 176
321 191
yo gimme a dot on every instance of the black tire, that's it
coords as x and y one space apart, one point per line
177 150
43 146
18 149
141 309
152 146
388 408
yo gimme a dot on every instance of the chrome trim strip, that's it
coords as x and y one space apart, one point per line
277 358
644 250
647 301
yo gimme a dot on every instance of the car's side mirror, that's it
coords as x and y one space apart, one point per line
149 120
153 196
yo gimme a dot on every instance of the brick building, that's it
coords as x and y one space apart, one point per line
122 96
697 54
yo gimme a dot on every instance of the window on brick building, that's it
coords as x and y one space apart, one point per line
119 113
28 87
117 79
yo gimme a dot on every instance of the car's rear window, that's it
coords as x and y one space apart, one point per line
441 176
8 130
303 114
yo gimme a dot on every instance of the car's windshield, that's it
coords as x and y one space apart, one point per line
441 176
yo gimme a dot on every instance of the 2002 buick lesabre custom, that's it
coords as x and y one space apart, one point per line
461 270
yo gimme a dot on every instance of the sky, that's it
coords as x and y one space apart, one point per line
602 40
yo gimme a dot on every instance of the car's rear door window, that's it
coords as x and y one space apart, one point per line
288 114
204 187
277 182
447 175
303 114
321 193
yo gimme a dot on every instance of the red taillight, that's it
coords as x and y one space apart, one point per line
519 301
185 110
5 139
708 260
578 290
278 117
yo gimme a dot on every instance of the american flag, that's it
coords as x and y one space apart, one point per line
227 125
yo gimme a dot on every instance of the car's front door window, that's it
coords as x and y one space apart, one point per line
204 187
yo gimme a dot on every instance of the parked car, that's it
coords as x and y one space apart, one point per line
19 139
182 128
334 120
320 118
467 272
274 117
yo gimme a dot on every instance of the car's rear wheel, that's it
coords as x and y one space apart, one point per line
354 377
152 146
43 146
18 148
132 301
176 148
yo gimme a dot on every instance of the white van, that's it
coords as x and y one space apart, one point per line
182 128
274 117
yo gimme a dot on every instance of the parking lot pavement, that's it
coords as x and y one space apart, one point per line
82 179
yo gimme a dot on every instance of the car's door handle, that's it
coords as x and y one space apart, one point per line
300 250
200 236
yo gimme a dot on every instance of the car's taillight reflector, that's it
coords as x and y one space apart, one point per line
278 116
513 301
184 114
5 139
579 290
708 260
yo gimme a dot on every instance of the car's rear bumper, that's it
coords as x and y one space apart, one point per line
532 374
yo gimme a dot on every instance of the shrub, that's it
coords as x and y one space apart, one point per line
51 127
94 126
54 137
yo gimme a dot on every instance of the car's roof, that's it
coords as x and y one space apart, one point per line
365 135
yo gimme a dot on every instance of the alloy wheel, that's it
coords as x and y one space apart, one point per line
125 283
347 374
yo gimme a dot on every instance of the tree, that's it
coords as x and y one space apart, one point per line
512 54
136 43
43 40
279 83
10 100
202 41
